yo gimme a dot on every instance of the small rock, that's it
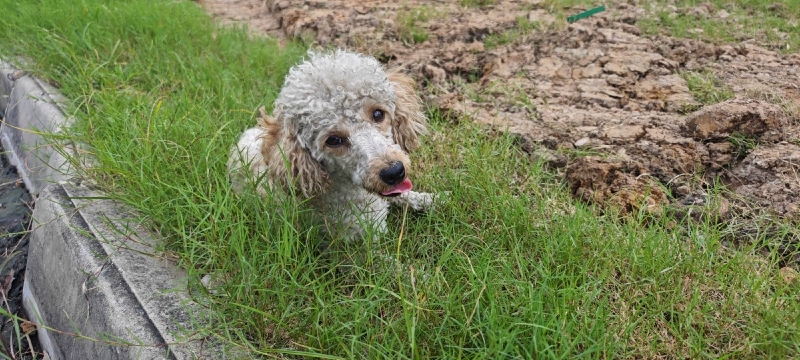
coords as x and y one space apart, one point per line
27 327
623 156
616 68
599 99
682 190
550 157
618 36
695 199
16 75
669 64
582 142
721 147
476 47
616 80
722 14
564 72
623 132
586 129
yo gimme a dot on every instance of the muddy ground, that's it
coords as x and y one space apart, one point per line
604 104
15 218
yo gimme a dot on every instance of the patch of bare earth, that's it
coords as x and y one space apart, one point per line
596 87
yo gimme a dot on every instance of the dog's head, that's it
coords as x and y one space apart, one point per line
341 117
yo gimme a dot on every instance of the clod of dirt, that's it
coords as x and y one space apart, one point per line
789 275
745 117
549 157
435 74
768 176
700 205
720 155
670 163
596 180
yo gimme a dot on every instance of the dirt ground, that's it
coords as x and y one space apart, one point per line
596 99
15 217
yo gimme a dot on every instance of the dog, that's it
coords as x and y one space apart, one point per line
339 137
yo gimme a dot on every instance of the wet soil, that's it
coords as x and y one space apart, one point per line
604 104
18 337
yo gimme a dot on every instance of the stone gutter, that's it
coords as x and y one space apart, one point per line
91 270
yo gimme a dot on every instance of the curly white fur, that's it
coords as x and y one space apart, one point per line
336 95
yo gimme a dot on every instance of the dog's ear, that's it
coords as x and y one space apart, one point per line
409 122
290 166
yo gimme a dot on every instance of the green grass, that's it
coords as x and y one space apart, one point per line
409 29
524 27
515 267
772 23
705 87
742 144
477 3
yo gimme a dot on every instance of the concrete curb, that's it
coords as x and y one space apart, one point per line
29 106
90 268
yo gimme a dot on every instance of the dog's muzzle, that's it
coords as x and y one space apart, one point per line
395 176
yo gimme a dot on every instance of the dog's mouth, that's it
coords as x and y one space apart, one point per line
399 188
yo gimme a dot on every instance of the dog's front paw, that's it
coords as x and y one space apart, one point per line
419 201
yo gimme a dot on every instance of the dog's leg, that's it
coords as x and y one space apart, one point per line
245 163
417 201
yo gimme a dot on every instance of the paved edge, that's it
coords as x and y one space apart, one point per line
30 107
91 269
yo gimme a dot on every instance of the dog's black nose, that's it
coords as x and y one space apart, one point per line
394 173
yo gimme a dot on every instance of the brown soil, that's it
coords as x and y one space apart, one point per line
19 340
596 87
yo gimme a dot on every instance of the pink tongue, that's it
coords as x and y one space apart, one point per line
402 187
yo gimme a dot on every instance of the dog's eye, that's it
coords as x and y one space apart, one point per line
378 115
334 141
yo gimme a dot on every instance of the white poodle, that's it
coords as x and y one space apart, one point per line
339 136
